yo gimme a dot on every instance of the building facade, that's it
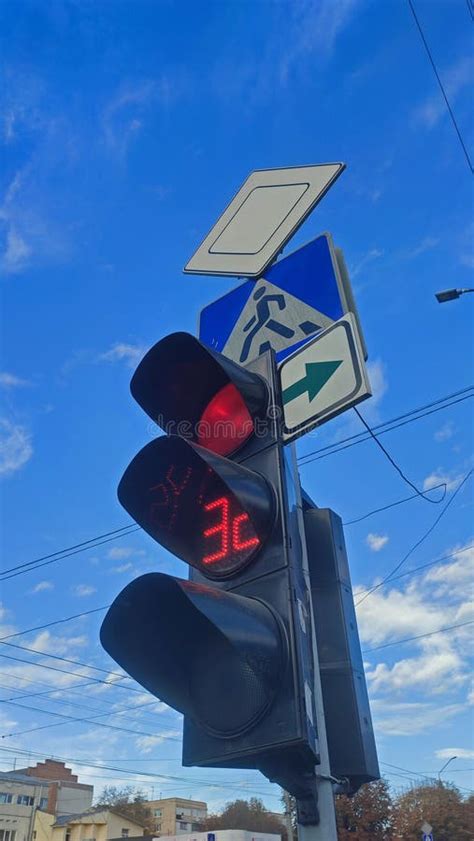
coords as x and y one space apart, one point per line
98 824
176 815
48 787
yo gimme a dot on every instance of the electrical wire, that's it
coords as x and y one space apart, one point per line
114 683
62 558
418 774
54 622
396 466
65 659
84 720
390 505
70 548
93 764
418 636
441 86
388 426
418 542
67 702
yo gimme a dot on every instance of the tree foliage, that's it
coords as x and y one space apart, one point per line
246 814
439 805
367 816
129 801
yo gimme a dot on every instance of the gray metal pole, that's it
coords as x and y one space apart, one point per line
289 824
326 830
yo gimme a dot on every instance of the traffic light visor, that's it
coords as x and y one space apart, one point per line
215 656
205 509
191 391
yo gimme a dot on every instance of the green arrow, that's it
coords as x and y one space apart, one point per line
317 375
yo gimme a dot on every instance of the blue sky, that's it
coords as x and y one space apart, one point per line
125 128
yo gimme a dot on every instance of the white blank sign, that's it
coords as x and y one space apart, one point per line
260 219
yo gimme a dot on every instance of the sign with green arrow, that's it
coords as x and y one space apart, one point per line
323 378
316 376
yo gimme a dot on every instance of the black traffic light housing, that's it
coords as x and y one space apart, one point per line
231 647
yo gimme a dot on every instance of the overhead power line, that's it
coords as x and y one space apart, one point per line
418 636
36 565
388 426
391 505
395 465
418 542
54 622
102 767
441 86
68 719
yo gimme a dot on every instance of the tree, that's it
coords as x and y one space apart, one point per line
246 814
367 816
439 805
129 801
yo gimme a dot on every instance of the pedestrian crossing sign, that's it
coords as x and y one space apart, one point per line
298 296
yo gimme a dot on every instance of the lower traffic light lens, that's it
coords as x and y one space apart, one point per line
216 656
226 422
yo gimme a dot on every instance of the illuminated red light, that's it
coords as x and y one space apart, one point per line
237 543
222 527
233 536
226 422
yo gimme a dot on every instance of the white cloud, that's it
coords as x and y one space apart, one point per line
426 244
11 381
455 79
370 255
84 590
440 476
54 644
376 542
123 567
42 586
16 254
124 117
378 381
123 352
121 553
312 30
146 743
459 753
435 672
454 578
445 432
411 718
16 448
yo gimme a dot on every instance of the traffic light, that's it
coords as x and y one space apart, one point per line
230 648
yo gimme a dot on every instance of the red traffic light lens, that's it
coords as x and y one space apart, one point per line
226 422
210 512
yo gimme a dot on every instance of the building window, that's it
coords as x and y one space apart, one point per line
68 835
5 798
157 827
7 834
43 803
157 813
125 832
25 800
183 825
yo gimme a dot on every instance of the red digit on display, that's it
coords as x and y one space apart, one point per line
222 528
238 542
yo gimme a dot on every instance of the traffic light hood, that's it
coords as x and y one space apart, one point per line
215 656
191 390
